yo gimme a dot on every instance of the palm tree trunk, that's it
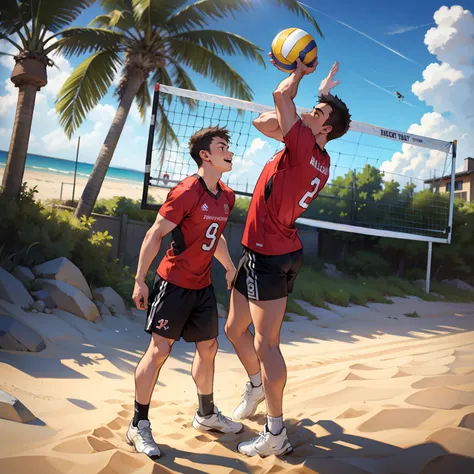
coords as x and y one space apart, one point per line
94 183
13 175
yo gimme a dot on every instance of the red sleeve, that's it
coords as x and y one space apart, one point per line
231 200
299 141
179 202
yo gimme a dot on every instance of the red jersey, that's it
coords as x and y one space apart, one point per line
290 180
200 217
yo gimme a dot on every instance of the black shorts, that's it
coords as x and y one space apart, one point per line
175 312
267 277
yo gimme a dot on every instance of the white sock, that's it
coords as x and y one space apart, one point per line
256 380
275 425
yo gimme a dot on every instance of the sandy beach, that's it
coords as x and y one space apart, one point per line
369 391
49 187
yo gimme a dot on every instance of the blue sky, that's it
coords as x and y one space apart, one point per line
401 26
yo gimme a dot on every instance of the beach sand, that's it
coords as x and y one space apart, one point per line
369 391
49 187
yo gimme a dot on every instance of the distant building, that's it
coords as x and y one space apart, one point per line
463 182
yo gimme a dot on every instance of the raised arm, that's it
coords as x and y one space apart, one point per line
267 123
284 95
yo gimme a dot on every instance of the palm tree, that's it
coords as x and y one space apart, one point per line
143 37
30 21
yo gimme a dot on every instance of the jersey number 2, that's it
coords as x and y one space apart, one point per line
211 233
310 194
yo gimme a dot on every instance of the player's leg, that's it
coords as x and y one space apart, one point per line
202 328
165 326
237 331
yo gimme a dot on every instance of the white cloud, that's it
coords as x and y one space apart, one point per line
257 145
448 87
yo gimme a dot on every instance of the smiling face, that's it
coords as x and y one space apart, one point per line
316 119
218 156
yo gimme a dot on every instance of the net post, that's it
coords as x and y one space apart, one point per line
428 267
451 192
149 148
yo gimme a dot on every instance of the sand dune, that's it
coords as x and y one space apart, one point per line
392 403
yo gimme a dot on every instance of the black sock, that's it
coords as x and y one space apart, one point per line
141 413
206 404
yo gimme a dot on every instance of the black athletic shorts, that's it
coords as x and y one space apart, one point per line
175 312
267 277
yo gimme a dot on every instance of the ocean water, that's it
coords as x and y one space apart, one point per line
65 168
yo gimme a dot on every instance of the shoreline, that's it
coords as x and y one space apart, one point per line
49 186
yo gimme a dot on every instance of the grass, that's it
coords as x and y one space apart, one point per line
455 295
293 307
413 314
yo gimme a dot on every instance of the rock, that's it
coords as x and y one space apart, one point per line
332 271
13 410
12 290
34 310
462 285
103 310
39 305
43 295
71 299
47 311
111 299
62 269
420 283
221 312
24 274
15 336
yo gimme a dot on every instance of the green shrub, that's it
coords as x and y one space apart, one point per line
366 263
31 234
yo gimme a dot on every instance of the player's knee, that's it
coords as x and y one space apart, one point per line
264 346
233 331
207 349
159 349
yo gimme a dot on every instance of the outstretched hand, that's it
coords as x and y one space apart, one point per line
300 66
328 83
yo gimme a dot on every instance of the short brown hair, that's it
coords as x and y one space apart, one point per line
339 118
201 140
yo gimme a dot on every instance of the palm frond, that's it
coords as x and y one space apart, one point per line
161 76
209 64
143 98
297 7
122 20
182 80
13 16
76 41
109 5
57 14
154 11
84 88
223 43
198 14
165 136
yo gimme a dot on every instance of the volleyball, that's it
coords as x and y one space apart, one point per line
290 44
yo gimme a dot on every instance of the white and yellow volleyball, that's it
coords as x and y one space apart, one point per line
290 44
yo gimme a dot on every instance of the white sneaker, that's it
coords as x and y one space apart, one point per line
266 444
141 439
253 396
216 422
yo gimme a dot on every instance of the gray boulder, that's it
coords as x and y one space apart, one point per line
15 336
71 299
111 299
462 285
12 290
42 295
13 410
332 271
24 274
103 310
62 269
39 306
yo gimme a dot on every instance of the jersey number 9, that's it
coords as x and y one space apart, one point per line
211 233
